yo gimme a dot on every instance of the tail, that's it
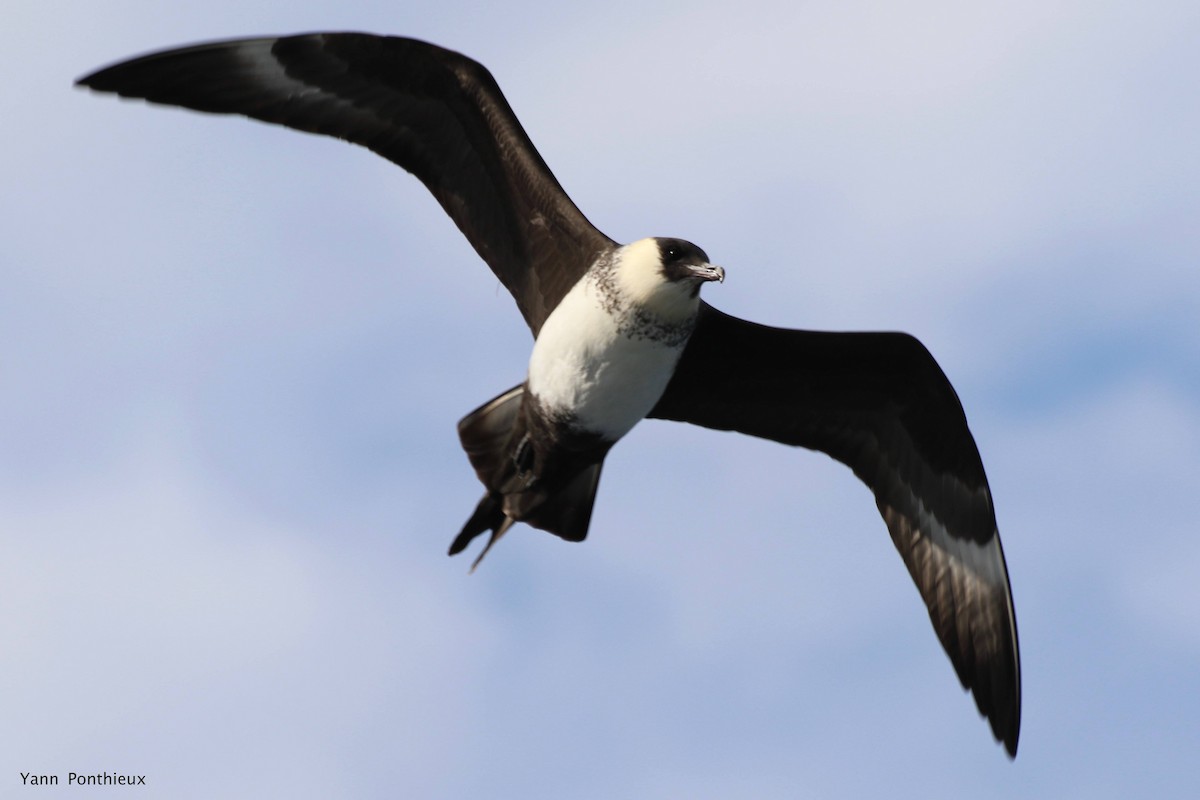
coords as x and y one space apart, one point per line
490 436
487 434
489 515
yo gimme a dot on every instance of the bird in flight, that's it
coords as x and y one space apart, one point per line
620 332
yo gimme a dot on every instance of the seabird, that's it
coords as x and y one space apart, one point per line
620 332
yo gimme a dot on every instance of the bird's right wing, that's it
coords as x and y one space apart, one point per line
436 113
879 403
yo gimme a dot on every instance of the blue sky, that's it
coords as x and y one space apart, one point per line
232 357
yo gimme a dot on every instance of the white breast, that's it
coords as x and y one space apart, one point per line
584 366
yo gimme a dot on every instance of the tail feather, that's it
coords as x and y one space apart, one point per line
569 512
486 434
489 515
490 435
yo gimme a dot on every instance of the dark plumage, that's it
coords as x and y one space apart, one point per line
877 402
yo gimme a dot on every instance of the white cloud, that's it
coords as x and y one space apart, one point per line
233 357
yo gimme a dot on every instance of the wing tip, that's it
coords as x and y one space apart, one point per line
1011 732
1003 713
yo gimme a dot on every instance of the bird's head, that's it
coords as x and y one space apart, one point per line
664 276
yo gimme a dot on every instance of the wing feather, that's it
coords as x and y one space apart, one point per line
879 403
436 113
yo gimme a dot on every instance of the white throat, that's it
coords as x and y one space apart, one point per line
606 353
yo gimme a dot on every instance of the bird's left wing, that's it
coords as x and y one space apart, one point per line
879 403
435 112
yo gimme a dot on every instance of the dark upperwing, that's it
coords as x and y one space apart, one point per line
879 403
436 113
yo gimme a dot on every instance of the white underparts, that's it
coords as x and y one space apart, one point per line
588 365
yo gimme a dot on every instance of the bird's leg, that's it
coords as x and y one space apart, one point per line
523 460
523 456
